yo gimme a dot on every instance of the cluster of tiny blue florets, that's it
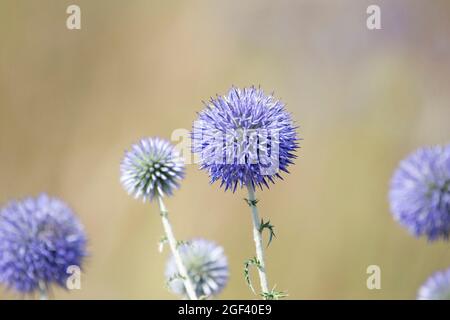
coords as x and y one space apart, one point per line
420 192
39 239
437 287
244 138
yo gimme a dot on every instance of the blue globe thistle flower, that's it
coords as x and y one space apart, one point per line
244 138
39 239
206 265
437 287
420 192
151 168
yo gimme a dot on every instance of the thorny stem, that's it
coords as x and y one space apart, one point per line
258 239
173 247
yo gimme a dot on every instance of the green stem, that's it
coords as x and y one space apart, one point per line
257 237
173 247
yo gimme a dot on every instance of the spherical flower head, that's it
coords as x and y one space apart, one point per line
151 168
420 192
437 287
206 265
244 138
39 239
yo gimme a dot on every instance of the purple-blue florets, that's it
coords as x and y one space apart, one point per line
244 138
151 168
437 287
420 192
39 239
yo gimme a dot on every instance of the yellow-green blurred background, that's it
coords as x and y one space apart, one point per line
71 102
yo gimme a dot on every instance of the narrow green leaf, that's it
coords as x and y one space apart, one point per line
251 203
270 227
247 264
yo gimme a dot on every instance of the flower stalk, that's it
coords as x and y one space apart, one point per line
257 237
43 291
174 248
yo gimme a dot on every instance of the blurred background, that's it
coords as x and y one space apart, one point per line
71 102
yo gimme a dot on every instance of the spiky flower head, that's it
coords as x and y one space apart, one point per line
420 192
40 238
437 287
244 138
151 168
206 265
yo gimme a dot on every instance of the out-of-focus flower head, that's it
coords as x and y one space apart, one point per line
437 287
206 265
420 192
40 238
